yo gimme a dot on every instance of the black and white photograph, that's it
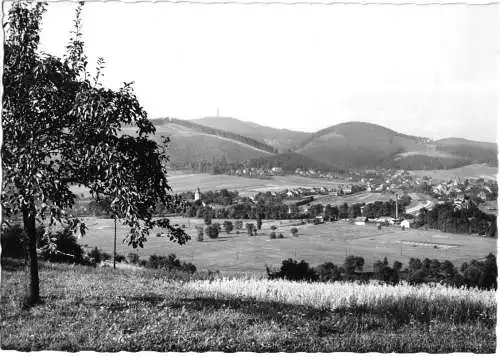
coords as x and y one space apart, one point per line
249 176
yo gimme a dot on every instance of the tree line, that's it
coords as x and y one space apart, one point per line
480 273
449 218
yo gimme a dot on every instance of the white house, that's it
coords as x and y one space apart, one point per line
405 224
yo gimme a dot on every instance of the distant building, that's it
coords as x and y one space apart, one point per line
405 224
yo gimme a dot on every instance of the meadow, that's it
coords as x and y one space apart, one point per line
476 170
103 309
316 244
181 181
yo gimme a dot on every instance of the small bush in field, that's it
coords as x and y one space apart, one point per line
293 270
250 229
169 263
212 231
207 219
272 235
133 258
97 256
199 235
280 235
239 225
228 226
67 249
143 263
218 227
329 272
294 231
120 258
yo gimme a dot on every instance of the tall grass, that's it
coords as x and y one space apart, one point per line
422 302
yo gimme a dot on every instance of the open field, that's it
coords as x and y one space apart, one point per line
476 170
102 309
246 186
315 244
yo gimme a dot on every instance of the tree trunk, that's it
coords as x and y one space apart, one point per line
33 286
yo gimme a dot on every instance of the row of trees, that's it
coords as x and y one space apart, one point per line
449 218
272 210
481 274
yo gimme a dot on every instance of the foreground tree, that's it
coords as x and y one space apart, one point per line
60 128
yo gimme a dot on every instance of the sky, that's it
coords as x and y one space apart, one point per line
421 70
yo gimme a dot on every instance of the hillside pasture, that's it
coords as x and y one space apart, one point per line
476 171
183 181
244 185
316 244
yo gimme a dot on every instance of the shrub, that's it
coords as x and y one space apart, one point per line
239 225
250 229
171 262
272 235
293 270
280 235
228 226
273 227
189 267
294 231
65 250
385 273
329 272
12 242
143 263
217 225
207 219
352 263
97 256
199 233
133 258
259 223
212 231
120 258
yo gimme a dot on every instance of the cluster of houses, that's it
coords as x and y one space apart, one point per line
477 189
257 172
342 189
385 180
316 174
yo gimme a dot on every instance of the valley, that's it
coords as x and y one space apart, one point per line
316 244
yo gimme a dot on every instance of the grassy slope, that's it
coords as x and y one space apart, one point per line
104 310
475 170
282 139
188 144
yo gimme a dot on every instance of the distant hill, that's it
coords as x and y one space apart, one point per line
343 146
192 143
365 145
282 139
477 151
